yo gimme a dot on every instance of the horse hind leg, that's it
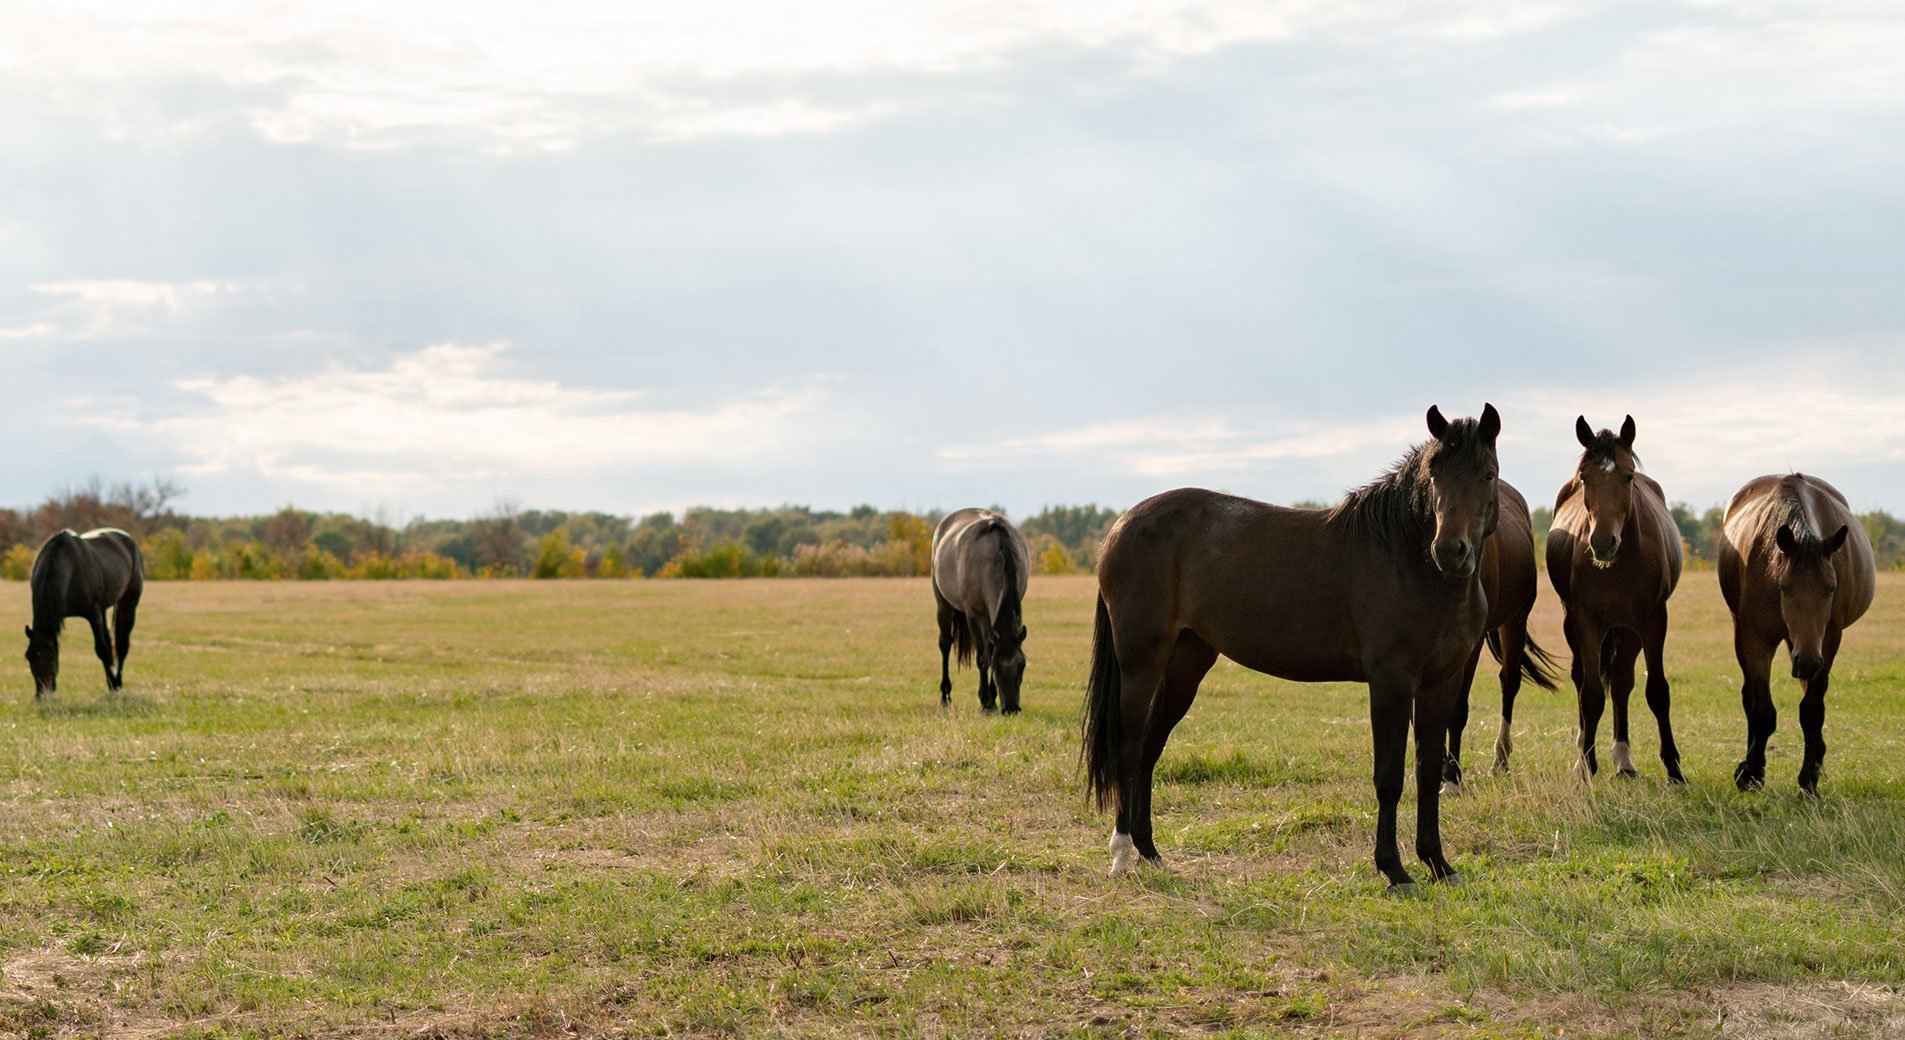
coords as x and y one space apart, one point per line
948 618
1514 639
102 645
1191 659
1457 722
1141 675
1623 651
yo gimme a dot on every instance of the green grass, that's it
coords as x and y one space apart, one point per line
736 808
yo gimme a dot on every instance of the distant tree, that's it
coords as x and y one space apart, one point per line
499 539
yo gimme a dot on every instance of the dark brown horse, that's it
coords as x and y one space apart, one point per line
1796 568
84 576
1508 578
1383 588
1614 559
980 562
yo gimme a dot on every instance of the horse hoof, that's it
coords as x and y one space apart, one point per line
1745 780
1628 774
1676 778
1009 711
1403 890
1124 855
1451 878
1451 789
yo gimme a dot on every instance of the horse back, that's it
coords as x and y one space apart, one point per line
1283 591
970 569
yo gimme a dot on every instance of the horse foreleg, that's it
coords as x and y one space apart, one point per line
122 618
1389 706
102 645
1623 650
1433 707
947 618
1585 642
1660 696
1756 699
1812 716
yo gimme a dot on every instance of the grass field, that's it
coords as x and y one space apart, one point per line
736 808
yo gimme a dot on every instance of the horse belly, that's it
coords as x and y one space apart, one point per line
1297 653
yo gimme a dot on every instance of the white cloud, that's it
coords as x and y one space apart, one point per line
451 414
1183 447
512 77
114 308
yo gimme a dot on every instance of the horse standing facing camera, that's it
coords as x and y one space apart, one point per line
1795 568
1614 559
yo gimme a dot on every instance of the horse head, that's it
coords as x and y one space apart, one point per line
1008 659
1807 583
43 657
1606 478
1461 472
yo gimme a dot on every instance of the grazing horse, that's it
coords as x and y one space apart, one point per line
84 576
1384 588
1787 580
1614 559
980 563
1508 578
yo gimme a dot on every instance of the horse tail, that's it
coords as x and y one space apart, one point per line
1102 712
1010 610
1537 666
962 637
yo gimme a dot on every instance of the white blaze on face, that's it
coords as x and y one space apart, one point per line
1609 465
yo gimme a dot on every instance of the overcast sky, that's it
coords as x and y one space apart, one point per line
369 255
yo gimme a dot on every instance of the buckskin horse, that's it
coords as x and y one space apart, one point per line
1384 588
84 576
1786 580
1614 559
980 563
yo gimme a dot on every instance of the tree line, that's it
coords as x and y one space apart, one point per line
510 541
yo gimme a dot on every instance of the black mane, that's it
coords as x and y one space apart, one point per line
1395 507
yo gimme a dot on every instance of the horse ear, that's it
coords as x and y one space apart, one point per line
29 631
1437 425
1837 541
1022 631
1583 432
1785 540
1491 422
1627 432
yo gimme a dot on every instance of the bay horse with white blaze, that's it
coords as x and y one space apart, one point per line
84 576
1614 559
1786 580
1509 580
980 564
1383 588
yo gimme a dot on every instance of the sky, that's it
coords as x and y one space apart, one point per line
418 259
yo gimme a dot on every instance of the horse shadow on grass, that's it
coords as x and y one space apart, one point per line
120 704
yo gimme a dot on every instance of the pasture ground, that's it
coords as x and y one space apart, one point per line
736 808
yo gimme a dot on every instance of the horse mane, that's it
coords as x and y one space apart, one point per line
1786 510
1395 507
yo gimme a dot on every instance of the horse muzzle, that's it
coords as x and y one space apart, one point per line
1455 559
1806 667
